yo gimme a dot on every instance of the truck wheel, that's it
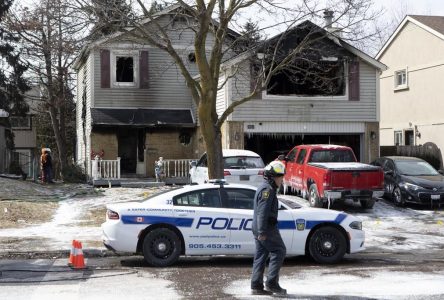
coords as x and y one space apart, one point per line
327 245
397 197
313 197
368 203
161 247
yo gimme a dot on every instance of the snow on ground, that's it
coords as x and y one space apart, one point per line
387 228
65 226
367 284
390 228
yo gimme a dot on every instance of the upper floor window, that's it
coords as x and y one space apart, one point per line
124 68
308 79
401 81
20 122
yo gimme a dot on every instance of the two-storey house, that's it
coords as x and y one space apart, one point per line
132 101
412 88
25 135
298 108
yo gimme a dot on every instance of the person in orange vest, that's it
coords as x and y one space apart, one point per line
46 165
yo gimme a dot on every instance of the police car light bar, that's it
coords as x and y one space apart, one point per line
217 181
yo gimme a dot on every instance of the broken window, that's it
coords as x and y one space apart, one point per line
124 69
325 77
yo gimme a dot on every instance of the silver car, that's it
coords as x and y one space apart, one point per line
240 166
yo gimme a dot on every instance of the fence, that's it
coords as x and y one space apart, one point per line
177 168
428 152
105 169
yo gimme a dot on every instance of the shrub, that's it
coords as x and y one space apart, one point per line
73 174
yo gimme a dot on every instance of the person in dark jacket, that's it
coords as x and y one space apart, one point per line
268 240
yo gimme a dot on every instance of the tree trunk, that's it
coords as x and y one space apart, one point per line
213 140
61 145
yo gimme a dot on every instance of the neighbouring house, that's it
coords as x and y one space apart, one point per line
25 150
133 103
344 110
5 153
412 87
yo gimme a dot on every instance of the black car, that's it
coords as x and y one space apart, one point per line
411 179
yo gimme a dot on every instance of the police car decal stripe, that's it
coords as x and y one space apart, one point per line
286 225
338 220
180 222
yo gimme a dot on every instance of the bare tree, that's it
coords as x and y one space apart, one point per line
216 18
51 35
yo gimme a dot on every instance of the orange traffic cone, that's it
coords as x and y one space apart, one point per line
79 260
72 254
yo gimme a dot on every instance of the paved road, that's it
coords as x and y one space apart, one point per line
356 277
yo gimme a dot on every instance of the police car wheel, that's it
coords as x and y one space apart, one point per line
161 247
327 245
313 197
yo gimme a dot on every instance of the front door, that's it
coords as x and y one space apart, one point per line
127 151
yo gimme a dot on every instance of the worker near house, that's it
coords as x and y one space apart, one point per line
268 240
159 169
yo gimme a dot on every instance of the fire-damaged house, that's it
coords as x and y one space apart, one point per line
133 104
327 93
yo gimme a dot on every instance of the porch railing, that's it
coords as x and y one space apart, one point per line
177 167
105 169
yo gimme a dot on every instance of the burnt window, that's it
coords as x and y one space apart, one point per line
124 69
310 78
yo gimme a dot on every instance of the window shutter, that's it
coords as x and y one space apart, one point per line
353 81
143 69
105 69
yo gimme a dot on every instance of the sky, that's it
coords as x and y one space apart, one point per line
419 7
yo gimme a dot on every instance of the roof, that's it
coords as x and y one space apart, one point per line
168 10
336 39
142 117
432 24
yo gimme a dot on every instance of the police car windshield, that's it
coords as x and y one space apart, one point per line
290 204
243 162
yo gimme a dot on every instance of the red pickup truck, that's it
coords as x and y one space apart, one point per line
326 173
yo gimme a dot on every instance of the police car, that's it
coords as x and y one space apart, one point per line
216 218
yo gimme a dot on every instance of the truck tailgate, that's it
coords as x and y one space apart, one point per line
353 176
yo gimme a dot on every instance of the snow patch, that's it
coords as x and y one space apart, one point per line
366 284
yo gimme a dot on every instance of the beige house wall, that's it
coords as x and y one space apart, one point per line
419 107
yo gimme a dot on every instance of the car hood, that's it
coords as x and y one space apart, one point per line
309 213
434 181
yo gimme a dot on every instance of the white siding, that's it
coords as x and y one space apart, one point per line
167 88
221 100
304 127
79 124
84 87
